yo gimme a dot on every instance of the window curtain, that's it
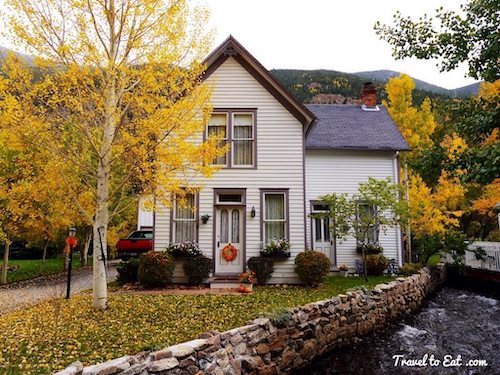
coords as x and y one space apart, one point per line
243 139
274 216
217 127
224 226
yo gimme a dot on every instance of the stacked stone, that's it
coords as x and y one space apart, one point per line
287 342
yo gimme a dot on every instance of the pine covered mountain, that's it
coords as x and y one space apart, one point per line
330 86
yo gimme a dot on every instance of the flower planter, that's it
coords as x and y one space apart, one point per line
274 255
343 273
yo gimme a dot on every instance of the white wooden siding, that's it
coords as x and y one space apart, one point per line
340 171
279 165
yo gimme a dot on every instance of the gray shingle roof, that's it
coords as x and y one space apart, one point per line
348 126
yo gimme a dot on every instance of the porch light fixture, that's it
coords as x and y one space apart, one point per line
252 212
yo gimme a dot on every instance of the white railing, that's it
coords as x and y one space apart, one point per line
491 259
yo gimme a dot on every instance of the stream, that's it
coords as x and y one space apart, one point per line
456 332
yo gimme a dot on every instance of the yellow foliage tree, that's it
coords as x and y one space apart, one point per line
415 124
117 102
434 211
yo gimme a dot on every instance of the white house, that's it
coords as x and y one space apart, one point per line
273 172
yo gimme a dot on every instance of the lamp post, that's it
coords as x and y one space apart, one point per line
71 244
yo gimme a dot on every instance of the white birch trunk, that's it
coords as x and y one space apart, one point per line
86 248
5 262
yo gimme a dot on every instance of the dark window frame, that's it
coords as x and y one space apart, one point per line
286 193
230 112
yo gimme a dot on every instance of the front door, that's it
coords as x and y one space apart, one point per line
322 237
229 231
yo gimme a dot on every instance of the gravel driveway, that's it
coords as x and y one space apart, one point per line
28 292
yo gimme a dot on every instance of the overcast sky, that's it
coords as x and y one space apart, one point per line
326 34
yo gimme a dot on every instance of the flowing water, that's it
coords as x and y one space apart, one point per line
456 332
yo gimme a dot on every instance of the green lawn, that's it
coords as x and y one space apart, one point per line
30 268
51 335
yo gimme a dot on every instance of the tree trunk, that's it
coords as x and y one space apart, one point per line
100 227
5 262
85 252
44 256
364 264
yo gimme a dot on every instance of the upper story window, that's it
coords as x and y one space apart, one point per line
237 129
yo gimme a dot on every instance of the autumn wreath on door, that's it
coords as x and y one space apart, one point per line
229 252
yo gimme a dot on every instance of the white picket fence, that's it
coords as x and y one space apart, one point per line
492 250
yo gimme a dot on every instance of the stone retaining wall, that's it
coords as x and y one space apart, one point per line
287 341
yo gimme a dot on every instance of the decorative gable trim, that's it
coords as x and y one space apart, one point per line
232 48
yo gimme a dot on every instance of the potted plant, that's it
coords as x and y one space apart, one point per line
276 248
184 249
247 279
205 218
343 268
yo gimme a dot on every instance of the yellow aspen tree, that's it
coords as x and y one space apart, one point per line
415 124
117 100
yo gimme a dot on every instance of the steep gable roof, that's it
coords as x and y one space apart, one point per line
232 48
348 126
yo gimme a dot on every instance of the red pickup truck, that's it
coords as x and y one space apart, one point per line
137 242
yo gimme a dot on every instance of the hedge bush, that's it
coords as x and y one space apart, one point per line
197 269
312 267
263 268
127 271
155 269
409 269
376 264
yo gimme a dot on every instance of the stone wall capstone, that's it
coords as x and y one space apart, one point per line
287 341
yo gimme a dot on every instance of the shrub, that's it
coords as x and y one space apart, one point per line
455 243
155 269
493 236
127 271
376 264
197 269
263 268
312 267
426 246
409 269
370 248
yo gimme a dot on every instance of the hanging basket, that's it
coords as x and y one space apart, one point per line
229 252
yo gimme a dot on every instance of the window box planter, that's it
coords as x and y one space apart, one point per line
275 254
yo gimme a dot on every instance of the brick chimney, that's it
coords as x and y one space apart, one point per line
369 95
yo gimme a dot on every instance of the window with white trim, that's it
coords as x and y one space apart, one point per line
274 219
184 219
236 128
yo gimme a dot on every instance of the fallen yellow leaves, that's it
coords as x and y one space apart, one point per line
51 335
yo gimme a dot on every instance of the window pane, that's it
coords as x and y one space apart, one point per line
235 230
243 119
217 126
185 231
242 132
326 223
242 152
230 198
224 226
317 229
187 210
274 229
275 207
218 119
